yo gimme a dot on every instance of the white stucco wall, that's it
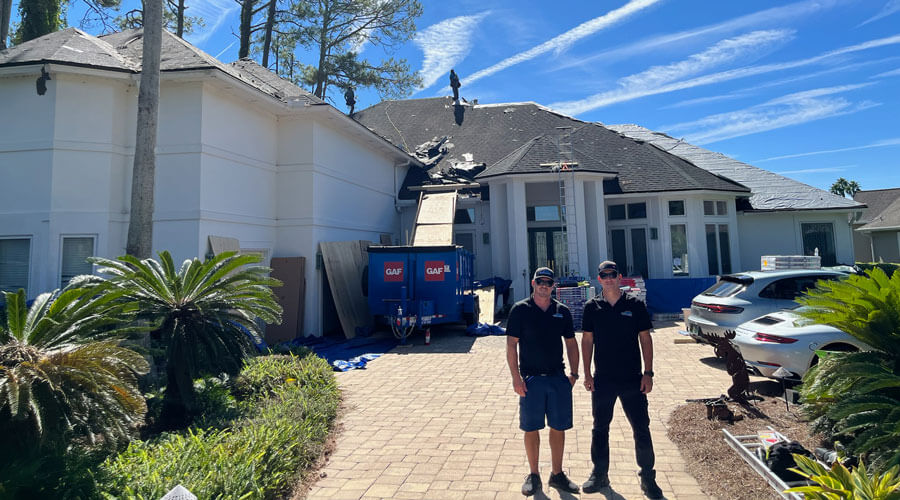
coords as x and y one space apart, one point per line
779 233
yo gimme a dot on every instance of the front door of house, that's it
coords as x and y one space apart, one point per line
629 250
547 248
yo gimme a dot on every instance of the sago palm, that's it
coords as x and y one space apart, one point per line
203 309
63 374
856 396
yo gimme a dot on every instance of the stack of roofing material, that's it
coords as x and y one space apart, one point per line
434 219
574 298
775 262
635 287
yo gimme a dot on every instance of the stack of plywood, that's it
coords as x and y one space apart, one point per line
434 219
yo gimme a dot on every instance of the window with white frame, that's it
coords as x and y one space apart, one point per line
15 256
75 251
717 207
627 211
718 249
676 208
678 234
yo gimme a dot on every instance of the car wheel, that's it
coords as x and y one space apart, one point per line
833 348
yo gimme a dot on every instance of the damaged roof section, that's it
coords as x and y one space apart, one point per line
769 191
465 142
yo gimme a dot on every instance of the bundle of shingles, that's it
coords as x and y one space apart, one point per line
635 287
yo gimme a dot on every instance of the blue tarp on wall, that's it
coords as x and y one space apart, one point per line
671 295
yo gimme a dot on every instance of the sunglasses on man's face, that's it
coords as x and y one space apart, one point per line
609 275
543 282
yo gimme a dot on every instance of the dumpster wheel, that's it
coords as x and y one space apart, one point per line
402 332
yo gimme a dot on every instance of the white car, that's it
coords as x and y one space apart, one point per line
737 298
785 339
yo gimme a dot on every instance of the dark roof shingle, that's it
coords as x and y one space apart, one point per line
518 137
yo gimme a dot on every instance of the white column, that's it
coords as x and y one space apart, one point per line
734 237
581 229
518 239
499 236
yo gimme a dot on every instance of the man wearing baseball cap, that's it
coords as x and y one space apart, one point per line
616 336
536 330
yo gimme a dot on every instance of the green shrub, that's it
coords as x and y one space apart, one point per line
888 267
855 396
283 431
840 483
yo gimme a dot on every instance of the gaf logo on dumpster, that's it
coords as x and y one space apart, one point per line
393 271
435 269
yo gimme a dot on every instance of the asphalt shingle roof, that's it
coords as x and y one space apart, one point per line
770 191
68 46
122 51
877 200
518 137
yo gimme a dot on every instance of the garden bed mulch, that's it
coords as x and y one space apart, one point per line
715 465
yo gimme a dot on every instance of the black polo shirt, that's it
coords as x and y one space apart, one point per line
539 333
617 353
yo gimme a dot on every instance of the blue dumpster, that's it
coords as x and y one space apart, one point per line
414 287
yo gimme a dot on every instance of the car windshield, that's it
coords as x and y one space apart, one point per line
724 288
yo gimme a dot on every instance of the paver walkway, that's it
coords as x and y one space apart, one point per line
441 421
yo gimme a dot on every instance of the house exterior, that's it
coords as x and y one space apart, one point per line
539 188
241 154
876 231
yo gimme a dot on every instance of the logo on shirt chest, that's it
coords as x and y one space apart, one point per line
626 313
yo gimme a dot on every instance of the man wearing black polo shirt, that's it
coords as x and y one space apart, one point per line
616 335
534 331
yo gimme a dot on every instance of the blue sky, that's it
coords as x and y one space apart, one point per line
808 89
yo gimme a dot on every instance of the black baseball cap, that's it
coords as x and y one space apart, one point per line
543 272
607 265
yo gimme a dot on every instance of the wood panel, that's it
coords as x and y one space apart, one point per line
344 263
291 296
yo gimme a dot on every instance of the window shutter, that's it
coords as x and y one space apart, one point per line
14 257
75 252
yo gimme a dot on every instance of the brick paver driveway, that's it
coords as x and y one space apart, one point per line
441 421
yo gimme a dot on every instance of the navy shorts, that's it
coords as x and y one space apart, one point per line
547 396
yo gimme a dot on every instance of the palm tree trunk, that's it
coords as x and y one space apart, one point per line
5 13
140 225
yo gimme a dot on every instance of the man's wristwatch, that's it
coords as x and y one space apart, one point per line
649 373
574 375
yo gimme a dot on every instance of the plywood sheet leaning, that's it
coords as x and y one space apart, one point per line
344 263
291 295
434 219
486 303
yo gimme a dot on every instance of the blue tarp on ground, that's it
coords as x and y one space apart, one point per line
671 295
484 329
347 354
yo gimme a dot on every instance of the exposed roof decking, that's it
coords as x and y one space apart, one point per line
770 191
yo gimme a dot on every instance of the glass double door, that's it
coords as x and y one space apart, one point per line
629 250
548 248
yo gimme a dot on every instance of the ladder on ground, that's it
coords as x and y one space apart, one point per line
567 204
752 451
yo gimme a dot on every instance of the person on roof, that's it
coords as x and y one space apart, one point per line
536 330
350 99
455 85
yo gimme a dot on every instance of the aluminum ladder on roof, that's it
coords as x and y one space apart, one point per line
567 205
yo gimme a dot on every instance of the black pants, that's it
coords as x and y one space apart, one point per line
603 400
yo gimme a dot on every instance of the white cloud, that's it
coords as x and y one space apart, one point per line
895 72
891 7
776 14
877 144
791 109
706 100
445 44
623 94
816 170
213 12
657 78
562 42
